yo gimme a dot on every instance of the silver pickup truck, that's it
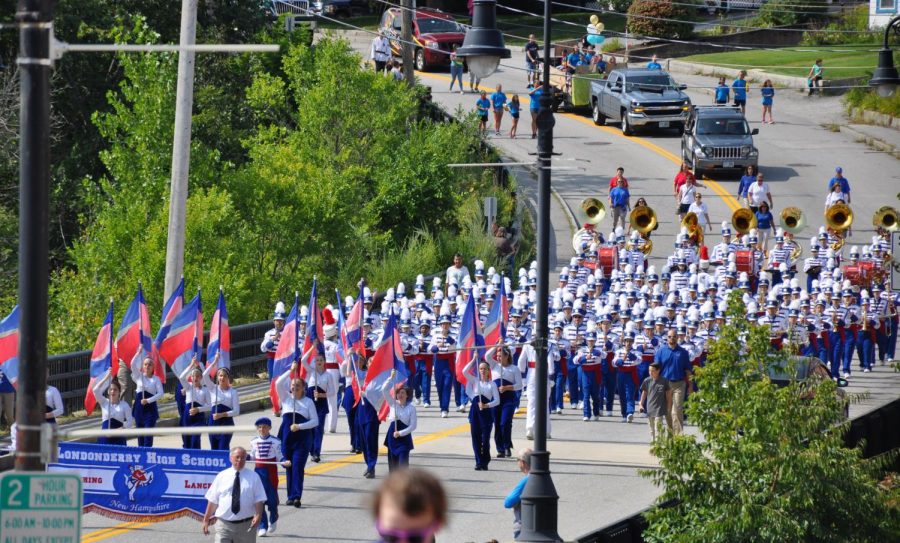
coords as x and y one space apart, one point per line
640 97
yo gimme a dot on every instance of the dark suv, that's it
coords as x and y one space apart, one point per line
434 33
718 137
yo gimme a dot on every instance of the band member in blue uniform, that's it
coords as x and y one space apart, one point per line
349 403
626 362
116 412
367 425
149 390
508 379
485 397
298 422
321 387
443 376
424 365
197 402
402 419
225 406
265 450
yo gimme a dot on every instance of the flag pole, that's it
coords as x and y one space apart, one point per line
296 350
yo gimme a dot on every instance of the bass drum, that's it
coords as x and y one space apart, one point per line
745 262
860 275
608 259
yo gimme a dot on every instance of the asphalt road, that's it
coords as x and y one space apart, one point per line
595 465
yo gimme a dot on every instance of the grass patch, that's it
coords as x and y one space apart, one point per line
867 99
837 65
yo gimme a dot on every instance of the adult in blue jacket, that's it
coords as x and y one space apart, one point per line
514 499
676 367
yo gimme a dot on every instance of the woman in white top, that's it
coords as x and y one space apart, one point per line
508 379
149 390
699 208
225 406
54 404
402 419
116 411
321 386
298 422
484 396
835 196
196 402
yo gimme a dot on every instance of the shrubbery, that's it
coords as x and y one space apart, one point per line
646 18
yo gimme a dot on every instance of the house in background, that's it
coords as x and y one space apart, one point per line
881 11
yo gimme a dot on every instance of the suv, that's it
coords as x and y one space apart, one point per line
718 137
434 33
639 97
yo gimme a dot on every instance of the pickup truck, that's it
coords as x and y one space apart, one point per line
718 137
639 98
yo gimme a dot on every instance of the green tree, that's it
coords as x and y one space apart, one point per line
790 12
770 465
660 18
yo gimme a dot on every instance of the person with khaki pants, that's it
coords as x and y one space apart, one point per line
676 367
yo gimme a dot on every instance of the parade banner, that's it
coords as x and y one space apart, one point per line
146 484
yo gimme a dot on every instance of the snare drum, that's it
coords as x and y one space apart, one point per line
608 259
744 261
860 274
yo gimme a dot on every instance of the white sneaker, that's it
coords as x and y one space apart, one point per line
427 405
585 419
846 375
596 417
559 410
609 413
867 370
529 436
272 527
261 532
573 406
444 414
417 402
630 417
461 409
580 405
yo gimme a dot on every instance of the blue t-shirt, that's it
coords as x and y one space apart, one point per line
722 92
601 66
619 197
764 220
513 109
845 185
498 99
653 65
536 99
676 363
767 94
746 181
482 106
574 59
740 89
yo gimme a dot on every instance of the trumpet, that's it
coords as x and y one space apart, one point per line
886 218
793 220
743 220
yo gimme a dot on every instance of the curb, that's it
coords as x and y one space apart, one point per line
871 141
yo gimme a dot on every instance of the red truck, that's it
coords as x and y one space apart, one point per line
434 33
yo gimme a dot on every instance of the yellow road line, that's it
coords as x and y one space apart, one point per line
720 191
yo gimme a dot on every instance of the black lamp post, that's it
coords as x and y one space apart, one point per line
483 47
539 497
885 79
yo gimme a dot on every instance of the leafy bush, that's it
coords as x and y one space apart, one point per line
855 19
867 99
790 12
647 18
620 6
610 45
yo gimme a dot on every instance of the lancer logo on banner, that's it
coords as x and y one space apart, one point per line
142 484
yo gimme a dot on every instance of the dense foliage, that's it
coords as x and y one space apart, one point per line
789 12
313 167
660 18
771 465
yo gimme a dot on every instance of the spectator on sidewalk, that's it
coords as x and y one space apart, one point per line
722 93
535 107
380 52
656 401
514 499
498 102
456 69
531 62
740 91
514 108
410 505
768 96
814 77
482 106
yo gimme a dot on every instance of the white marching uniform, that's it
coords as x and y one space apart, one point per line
527 360
332 366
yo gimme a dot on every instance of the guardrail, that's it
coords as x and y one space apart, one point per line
70 372
877 427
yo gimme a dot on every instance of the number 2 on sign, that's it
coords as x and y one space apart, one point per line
16 489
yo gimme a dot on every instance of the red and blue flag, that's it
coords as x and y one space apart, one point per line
9 350
388 357
219 336
497 319
102 358
185 338
313 327
352 339
470 342
287 352
134 337
171 310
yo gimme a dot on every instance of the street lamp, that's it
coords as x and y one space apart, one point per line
885 79
483 47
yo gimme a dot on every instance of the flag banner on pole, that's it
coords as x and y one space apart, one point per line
286 352
182 343
470 340
313 327
497 319
219 336
134 338
142 484
353 341
173 307
388 356
102 358
9 351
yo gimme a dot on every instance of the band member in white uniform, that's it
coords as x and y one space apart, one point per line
149 390
116 412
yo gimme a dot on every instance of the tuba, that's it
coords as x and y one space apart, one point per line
743 220
793 220
695 231
886 218
838 218
593 212
643 219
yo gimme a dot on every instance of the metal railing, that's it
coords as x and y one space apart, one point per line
70 372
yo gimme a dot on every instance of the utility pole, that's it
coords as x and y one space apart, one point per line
408 49
181 149
34 18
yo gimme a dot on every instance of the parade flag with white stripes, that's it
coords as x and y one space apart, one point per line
101 358
497 319
313 335
287 352
471 341
388 357
185 339
9 350
134 335
219 336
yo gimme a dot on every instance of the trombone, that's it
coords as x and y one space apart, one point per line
643 219
743 220
838 218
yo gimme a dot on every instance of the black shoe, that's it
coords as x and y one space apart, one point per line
508 453
369 475
501 454
290 502
478 468
484 468
297 504
317 458
352 451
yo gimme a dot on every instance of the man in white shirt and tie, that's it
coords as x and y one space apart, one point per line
380 52
236 496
